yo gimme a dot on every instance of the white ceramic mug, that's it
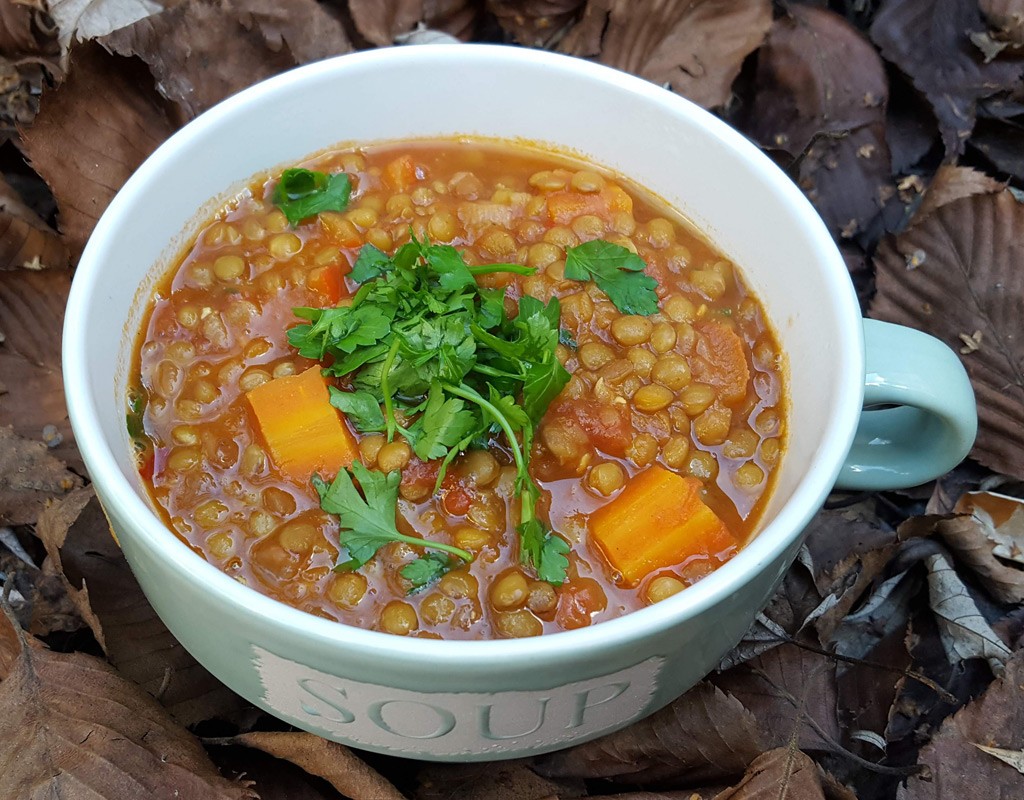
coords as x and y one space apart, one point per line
473 700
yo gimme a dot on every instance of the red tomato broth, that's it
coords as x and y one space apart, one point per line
227 331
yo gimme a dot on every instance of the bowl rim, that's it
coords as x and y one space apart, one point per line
150 532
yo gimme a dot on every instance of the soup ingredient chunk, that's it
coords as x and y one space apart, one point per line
658 520
300 427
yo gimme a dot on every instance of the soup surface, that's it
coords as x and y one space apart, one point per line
457 389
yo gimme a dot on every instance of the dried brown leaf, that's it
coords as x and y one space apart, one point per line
200 52
1015 758
505 780
967 282
817 76
80 547
694 48
785 774
20 85
380 22
25 239
957 769
1002 144
32 319
846 549
86 156
930 41
954 183
83 20
30 477
331 761
1008 18
791 691
270 778
984 542
1002 519
70 726
535 23
703 736
964 631
25 31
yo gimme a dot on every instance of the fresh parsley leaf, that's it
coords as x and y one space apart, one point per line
617 272
360 408
370 263
367 520
542 384
303 193
553 561
444 424
448 264
426 569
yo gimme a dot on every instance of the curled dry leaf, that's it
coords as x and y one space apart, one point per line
821 94
930 41
987 531
694 48
25 239
955 183
535 23
846 549
81 549
503 780
704 735
785 773
1007 17
69 724
957 769
83 156
20 85
380 22
270 778
82 20
1002 520
29 479
964 631
201 52
32 318
331 761
1002 143
965 281
25 31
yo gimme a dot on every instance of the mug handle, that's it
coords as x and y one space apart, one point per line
919 418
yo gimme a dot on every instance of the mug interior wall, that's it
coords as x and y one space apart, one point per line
733 202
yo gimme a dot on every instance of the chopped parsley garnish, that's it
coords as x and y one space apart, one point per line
618 272
421 338
426 569
303 193
368 524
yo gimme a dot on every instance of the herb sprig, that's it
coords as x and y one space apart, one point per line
303 193
421 338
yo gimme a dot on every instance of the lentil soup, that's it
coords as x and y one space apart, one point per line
278 369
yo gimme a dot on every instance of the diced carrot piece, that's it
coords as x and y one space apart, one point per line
400 174
341 231
564 207
616 199
302 430
721 361
326 281
657 521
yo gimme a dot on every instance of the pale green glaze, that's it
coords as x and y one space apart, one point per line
919 419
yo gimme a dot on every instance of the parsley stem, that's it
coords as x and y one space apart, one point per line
465 555
474 397
515 269
389 407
